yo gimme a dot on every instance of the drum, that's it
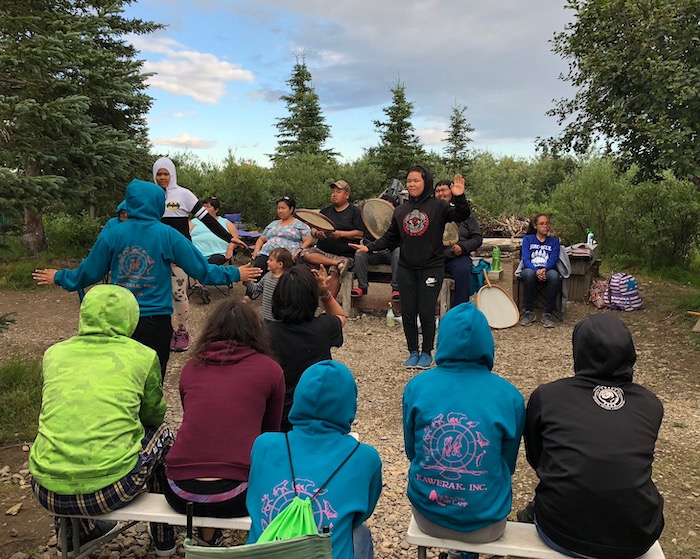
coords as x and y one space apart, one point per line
451 234
376 215
315 219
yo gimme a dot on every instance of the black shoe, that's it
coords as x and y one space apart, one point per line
526 514
101 530
217 540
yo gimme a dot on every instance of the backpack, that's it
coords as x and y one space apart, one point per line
597 294
623 293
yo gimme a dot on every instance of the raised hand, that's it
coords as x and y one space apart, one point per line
249 273
458 185
44 277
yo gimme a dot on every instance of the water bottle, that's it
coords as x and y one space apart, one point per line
589 237
390 317
496 259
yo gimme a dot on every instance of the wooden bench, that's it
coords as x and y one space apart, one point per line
519 540
381 273
147 507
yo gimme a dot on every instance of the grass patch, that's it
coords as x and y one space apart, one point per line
20 398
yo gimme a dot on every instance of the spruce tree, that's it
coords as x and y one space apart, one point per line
72 106
399 147
304 131
457 140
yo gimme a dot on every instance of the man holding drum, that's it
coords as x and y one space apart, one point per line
332 249
457 261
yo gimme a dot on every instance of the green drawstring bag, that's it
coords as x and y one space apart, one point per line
297 519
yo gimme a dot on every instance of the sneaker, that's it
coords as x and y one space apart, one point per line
395 296
456 554
527 319
173 340
526 514
357 292
412 360
182 340
548 320
163 549
102 529
217 540
425 361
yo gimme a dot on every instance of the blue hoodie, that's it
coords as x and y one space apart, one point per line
139 252
462 428
324 408
115 220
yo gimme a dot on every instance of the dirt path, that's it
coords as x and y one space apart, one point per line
668 358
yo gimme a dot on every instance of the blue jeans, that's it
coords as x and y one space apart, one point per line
530 281
362 545
460 268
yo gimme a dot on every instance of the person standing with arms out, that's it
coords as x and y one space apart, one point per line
179 204
138 255
417 227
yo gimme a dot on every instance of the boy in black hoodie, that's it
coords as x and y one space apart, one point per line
417 227
591 438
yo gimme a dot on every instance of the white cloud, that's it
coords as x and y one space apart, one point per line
202 76
432 136
184 115
185 141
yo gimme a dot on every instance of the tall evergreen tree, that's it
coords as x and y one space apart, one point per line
399 147
72 105
305 129
457 140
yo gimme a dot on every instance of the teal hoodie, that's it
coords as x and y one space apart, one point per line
325 403
139 252
462 428
99 389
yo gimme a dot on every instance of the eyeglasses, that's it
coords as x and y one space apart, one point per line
546 223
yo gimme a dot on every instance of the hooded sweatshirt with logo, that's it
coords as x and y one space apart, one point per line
462 428
417 226
324 408
99 389
138 254
591 439
181 202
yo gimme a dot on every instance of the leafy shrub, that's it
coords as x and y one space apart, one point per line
70 236
20 397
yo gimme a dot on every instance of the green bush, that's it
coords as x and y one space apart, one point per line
70 236
20 398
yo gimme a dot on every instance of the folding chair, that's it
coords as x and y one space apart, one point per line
314 546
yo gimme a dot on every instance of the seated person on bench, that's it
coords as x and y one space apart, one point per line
232 390
332 248
215 250
101 437
590 438
458 263
342 477
462 426
540 254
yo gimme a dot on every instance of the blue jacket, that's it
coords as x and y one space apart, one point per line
462 428
324 408
139 252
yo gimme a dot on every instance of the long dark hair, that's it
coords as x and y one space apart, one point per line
239 325
296 296
531 229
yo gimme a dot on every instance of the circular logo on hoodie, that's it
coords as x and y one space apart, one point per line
415 223
609 397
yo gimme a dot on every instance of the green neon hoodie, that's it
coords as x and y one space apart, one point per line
99 389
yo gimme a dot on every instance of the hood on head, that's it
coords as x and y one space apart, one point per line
109 310
326 396
168 165
603 348
121 206
429 189
464 336
145 200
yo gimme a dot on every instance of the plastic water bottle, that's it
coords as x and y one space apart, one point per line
390 317
496 259
589 237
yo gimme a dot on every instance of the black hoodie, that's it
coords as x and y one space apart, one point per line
591 438
417 226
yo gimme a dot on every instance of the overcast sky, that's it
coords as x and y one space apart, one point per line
220 67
